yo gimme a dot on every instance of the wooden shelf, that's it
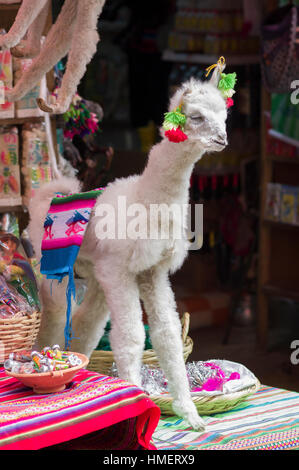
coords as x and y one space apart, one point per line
17 208
283 138
276 291
206 59
20 121
12 6
278 224
282 159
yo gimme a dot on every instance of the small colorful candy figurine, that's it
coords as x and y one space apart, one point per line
50 359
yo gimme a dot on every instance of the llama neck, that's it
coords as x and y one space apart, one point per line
166 177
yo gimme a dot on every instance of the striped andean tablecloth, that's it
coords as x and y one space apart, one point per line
268 420
110 412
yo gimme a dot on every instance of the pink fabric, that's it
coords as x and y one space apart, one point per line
68 206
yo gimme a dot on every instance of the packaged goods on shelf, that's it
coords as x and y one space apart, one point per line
208 20
35 159
288 201
10 188
282 203
272 211
216 29
7 110
213 43
27 106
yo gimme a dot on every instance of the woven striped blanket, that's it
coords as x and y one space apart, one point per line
90 403
64 230
268 420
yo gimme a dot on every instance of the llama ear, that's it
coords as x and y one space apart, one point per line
216 75
187 90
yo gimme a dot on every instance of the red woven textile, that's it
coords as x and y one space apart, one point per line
90 403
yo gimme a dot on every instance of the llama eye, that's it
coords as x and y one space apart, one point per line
197 118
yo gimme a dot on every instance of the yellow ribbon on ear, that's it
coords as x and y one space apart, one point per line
220 63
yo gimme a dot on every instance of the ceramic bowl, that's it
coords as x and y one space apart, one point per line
50 382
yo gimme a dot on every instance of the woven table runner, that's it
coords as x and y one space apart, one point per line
268 420
90 403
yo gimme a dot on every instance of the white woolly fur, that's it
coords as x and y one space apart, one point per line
121 272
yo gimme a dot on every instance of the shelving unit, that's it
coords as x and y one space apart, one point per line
278 275
194 58
222 178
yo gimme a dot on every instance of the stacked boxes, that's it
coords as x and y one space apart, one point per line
36 166
10 190
211 29
282 203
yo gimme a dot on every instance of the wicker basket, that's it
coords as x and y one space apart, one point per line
207 405
101 361
18 333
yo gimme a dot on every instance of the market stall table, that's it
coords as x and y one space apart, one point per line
268 420
90 404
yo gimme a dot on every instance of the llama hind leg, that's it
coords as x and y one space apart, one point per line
31 46
127 331
89 320
56 46
27 13
53 301
165 332
84 45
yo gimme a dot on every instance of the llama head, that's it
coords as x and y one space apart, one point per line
204 112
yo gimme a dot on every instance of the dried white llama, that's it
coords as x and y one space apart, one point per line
121 271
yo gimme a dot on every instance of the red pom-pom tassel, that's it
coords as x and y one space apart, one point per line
229 102
176 135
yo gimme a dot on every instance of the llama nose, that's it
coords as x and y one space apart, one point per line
221 137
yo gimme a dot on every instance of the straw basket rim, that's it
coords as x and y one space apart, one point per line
20 318
101 361
18 333
207 405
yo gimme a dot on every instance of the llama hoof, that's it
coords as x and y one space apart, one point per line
53 108
189 413
44 106
196 422
6 43
17 52
22 52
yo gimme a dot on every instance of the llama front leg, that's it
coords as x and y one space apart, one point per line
31 46
127 331
165 332
27 13
56 46
84 45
